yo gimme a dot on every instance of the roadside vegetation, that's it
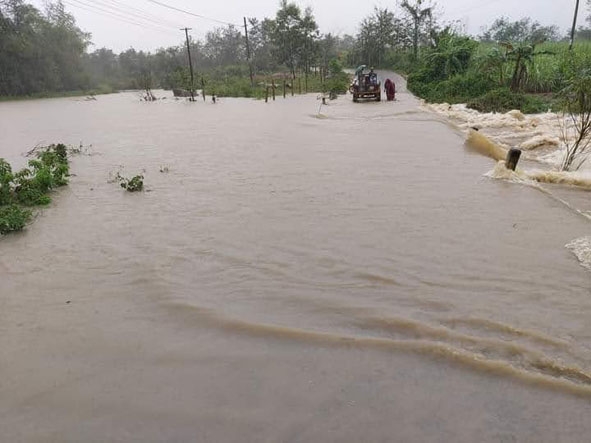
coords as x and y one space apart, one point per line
23 190
511 65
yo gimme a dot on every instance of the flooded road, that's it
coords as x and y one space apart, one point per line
295 273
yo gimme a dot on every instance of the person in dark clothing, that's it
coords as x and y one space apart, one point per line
390 89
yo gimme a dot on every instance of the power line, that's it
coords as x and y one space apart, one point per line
112 15
119 14
134 12
164 5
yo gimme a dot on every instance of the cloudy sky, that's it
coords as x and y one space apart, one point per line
144 24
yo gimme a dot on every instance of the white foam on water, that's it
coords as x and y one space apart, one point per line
469 117
579 178
502 173
542 137
540 140
581 248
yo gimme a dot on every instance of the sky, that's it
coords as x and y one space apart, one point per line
146 25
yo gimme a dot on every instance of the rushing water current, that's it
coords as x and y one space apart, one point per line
293 273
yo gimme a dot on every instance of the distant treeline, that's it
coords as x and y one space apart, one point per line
45 51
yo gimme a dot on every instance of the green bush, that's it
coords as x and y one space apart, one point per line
484 78
504 100
456 89
13 218
30 186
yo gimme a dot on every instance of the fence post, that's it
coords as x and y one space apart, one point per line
512 158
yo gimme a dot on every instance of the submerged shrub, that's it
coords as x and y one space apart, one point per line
13 218
133 184
30 186
6 178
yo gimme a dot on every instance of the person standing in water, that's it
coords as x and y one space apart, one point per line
390 89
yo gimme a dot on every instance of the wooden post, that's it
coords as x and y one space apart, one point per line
512 158
323 100
203 88
273 87
572 32
300 85
190 63
248 54
283 87
266 94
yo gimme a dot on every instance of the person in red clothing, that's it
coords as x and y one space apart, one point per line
390 89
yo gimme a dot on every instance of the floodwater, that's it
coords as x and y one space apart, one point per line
293 273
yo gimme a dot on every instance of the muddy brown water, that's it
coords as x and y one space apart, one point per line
297 273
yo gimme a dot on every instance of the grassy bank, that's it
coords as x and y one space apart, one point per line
497 77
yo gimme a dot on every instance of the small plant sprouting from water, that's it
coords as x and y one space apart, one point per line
133 184
30 186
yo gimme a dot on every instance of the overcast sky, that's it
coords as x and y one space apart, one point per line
142 24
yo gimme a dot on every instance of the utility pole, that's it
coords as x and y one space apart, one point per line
248 53
572 32
190 63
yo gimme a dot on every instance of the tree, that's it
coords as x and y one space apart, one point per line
419 17
293 36
261 46
521 31
39 52
224 46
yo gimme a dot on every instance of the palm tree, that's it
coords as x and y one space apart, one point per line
451 52
523 54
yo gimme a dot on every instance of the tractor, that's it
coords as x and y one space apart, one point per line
365 85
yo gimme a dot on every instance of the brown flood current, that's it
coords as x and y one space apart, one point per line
297 273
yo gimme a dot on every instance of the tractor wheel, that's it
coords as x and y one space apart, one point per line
355 98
